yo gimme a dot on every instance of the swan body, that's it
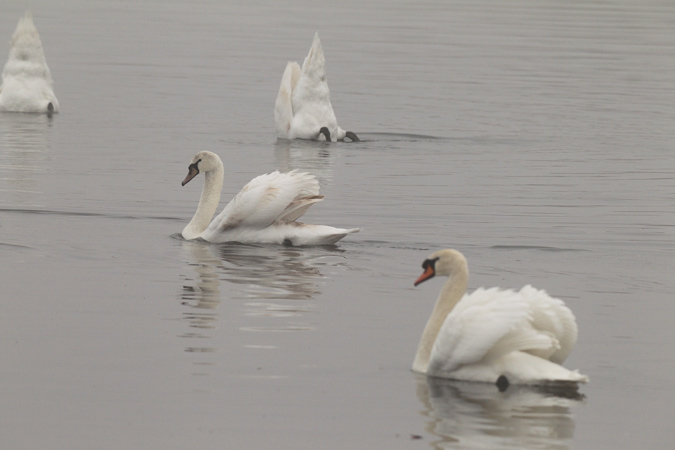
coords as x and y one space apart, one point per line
494 335
264 211
303 109
27 84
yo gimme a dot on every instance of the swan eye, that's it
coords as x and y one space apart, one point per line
195 165
429 263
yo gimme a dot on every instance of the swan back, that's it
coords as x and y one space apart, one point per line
484 326
27 84
267 199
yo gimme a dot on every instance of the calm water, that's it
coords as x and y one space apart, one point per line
536 137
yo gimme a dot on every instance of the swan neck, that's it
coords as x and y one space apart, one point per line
208 203
452 292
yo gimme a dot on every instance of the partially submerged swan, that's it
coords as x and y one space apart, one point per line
303 109
494 335
27 84
264 211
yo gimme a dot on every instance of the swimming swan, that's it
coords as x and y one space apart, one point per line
303 109
494 335
27 84
264 211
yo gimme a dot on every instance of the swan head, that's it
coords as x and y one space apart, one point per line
443 262
202 162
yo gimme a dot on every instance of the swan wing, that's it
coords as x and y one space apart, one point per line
482 327
283 109
266 199
551 315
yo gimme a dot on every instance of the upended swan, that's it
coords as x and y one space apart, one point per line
27 84
494 335
303 109
264 211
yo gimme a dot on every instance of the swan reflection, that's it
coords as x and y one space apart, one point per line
271 281
317 158
25 141
476 415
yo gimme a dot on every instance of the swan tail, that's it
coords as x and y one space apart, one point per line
518 368
315 61
523 368
333 238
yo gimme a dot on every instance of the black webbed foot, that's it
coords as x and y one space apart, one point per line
352 136
325 132
502 383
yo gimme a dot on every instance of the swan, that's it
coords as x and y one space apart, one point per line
264 211
494 335
303 109
27 84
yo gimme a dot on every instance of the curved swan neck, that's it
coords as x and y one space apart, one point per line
452 292
208 203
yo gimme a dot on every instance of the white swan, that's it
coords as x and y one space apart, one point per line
27 84
303 109
494 335
264 211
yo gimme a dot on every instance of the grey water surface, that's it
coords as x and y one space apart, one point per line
535 137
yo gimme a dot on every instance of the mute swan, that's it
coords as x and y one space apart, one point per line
494 335
303 109
27 84
264 211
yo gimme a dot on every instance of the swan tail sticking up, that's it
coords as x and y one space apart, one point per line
27 84
303 109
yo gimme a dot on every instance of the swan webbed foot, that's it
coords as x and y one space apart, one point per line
287 243
502 383
325 132
352 136
50 109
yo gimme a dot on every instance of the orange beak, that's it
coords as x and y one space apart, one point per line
428 273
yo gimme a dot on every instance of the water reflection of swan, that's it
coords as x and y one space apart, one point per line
271 280
24 146
465 415
201 294
307 156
